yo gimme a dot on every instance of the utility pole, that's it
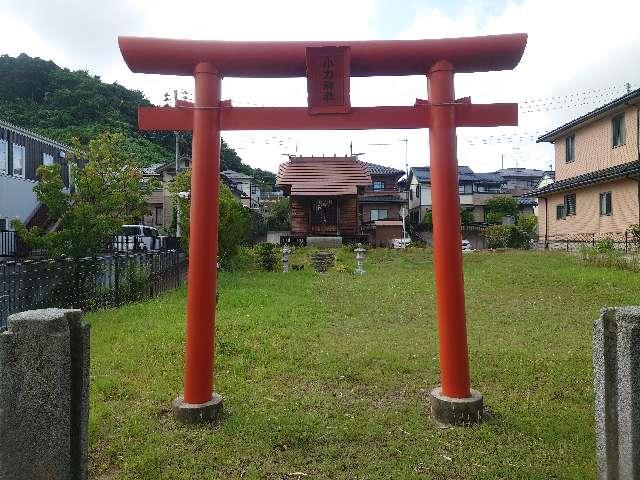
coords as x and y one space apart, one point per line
406 168
177 135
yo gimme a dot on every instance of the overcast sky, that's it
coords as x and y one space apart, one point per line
580 55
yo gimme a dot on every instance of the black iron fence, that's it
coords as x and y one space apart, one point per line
624 241
88 283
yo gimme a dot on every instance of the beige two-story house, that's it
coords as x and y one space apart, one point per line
596 190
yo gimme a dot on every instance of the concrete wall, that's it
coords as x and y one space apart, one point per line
593 146
587 219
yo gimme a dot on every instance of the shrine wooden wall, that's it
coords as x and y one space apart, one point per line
299 215
348 223
349 215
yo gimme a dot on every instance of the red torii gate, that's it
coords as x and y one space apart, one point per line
328 67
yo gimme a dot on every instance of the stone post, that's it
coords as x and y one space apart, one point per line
44 396
616 361
285 258
359 261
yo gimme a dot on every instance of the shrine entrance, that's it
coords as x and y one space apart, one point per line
328 67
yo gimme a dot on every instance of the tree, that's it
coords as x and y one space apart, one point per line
234 225
108 192
500 207
278 215
466 216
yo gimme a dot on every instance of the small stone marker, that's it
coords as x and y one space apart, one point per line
359 261
44 396
285 258
616 361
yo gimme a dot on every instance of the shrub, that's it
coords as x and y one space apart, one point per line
605 246
267 256
498 236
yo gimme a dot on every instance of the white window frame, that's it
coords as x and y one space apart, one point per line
23 154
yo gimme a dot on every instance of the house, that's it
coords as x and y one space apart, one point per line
245 183
382 205
323 194
596 189
161 212
475 189
519 181
21 153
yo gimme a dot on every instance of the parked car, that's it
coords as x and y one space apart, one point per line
401 242
138 238
466 246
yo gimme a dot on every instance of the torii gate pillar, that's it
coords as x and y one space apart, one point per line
199 403
454 402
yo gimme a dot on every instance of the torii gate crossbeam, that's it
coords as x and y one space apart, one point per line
209 61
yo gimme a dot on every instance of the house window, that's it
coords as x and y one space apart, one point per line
417 191
617 127
3 223
158 216
560 212
378 185
18 160
570 148
47 159
411 194
379 214
488 188
465 188
570 204
605 203
4 157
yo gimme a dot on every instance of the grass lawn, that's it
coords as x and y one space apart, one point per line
328 376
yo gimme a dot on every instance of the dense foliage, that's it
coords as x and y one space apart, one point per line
235 220
500 207
108 192
277 217
466 217
62 104
519 235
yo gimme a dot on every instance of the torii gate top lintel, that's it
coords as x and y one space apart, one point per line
287 59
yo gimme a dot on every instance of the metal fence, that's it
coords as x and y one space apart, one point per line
87 283
624 241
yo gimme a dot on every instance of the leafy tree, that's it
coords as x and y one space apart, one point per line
466 217
234 220
500 207
108 192
278 216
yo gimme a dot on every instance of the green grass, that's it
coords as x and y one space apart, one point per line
329 375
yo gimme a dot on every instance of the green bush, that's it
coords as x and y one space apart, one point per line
605 246
498 236
512 236
267 256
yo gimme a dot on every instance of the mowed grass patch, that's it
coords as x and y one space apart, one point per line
329 375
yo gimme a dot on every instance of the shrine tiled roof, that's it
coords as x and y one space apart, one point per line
323 176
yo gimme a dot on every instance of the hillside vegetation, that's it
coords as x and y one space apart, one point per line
62 104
